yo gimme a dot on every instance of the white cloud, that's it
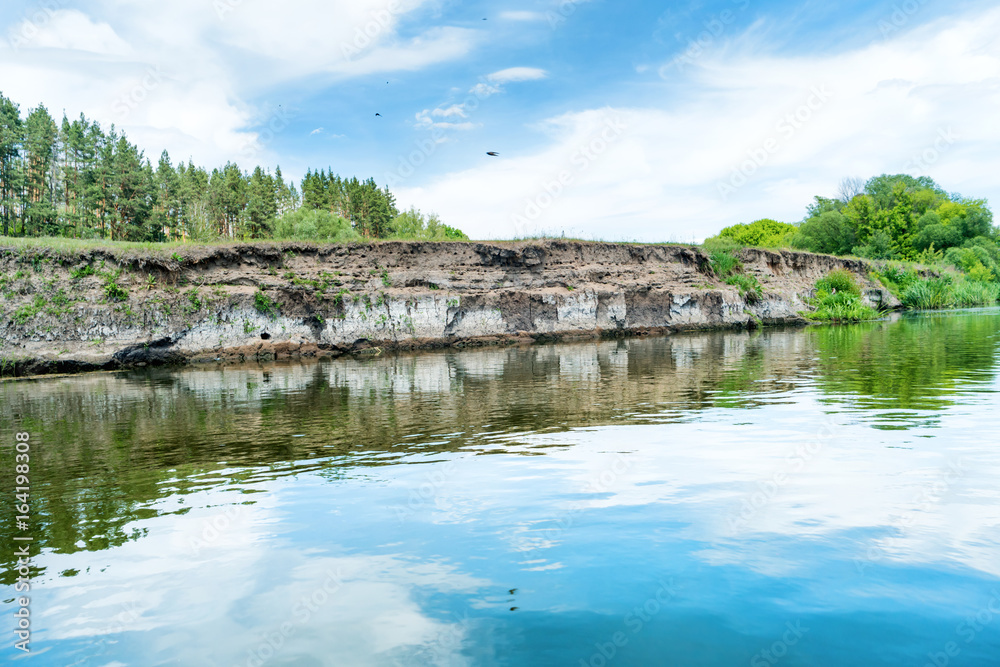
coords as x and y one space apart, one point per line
426 118
922 102
318 130
522 16
512 74
67 29
490 85
179 75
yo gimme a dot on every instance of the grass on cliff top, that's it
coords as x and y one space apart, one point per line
62 245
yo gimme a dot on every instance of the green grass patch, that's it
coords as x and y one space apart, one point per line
82 272
928 294
971 293
112 290
749 286
265 305
28 312
838 280
724 263
838 299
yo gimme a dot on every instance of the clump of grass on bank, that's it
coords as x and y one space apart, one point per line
928 294
729 269
838 299
969 293
946 290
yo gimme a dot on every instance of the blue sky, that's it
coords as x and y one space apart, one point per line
618 121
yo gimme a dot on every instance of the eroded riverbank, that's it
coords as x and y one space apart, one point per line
105 309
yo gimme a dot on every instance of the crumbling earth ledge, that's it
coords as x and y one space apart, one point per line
103 308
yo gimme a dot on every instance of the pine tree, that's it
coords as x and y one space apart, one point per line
39 213
11 138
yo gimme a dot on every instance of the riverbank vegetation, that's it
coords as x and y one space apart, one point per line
930 248
75 179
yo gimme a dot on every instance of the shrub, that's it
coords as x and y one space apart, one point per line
841 307
838 299
896 278
415 226
829 232
838 280
314 225
764 232
928 294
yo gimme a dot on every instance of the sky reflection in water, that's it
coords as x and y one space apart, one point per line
798 497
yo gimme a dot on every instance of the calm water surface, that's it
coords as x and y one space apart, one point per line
828 496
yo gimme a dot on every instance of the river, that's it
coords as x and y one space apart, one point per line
819 496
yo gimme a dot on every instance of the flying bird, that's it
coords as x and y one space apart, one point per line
492 153
378 114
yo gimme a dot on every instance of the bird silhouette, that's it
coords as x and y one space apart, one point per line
378 114
492 153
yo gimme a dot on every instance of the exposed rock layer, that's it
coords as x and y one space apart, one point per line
266 301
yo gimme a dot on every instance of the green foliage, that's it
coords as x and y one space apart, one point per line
838 280
838 299
369 209
265 304
829 232
969 293
879 246
929 294
841 307
895 217
112 290
724 264
314 225
749 286
412 225
82 272
193 301
896 278
28 311
75 179
760 233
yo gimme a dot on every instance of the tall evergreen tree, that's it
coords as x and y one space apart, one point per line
11 138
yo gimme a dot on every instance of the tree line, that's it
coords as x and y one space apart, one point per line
74 179
895 217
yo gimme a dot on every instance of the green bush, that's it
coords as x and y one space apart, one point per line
412 225
841 307
715 244
82 272
761 233
838 299
928 294
314 225
829 232
838 280
896 278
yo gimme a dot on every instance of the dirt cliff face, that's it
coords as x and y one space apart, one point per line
111 309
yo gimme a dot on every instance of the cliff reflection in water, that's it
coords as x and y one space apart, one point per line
111 446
